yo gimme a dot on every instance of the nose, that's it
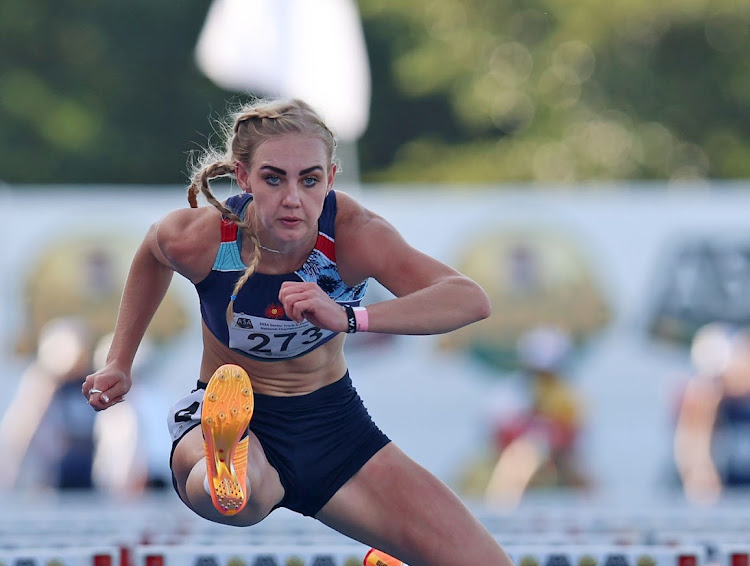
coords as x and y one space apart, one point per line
291 196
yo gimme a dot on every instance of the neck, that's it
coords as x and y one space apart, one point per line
262 247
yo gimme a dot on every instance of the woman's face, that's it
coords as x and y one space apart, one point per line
289 178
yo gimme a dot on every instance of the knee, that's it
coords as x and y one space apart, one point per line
199 501
260 503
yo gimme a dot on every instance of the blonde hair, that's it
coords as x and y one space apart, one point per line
244 131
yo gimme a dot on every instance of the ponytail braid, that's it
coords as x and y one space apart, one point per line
201 183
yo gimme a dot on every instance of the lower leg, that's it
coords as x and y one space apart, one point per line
397 506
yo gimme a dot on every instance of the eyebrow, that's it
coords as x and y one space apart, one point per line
282 172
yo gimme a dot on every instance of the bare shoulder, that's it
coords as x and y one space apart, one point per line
187 226
188 239
352 215
357 227
368 245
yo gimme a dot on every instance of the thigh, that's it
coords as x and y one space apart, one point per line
399 507
189 469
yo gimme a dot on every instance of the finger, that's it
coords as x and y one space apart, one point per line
287 287
98 403
102 396
291 295
85 388
300 309
292 308
291 288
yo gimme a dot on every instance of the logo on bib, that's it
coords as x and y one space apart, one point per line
275 311
245 323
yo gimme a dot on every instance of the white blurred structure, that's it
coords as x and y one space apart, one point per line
711 349
292 48
544 348
46 430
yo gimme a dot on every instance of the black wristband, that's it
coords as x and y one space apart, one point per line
351 320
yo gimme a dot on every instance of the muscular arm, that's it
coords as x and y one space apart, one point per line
692 441
431 297
180 242
147 283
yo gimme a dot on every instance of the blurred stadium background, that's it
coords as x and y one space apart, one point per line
588 163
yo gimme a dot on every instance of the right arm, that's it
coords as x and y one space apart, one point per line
173 244
692 441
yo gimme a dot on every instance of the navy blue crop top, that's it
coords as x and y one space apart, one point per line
261 329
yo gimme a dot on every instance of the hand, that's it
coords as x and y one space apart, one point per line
702 484
302 300
106 387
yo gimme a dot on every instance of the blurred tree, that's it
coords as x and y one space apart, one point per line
483 91
100 93
475 91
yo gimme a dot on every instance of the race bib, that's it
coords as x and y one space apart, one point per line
273 339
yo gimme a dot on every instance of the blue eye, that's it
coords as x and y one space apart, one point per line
310 181
272 179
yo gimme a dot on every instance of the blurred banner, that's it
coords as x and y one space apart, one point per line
81 273
703 280
628 273
535 278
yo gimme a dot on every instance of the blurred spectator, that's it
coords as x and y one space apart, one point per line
132 447
712 434
46 433
537 442
51 438
49 435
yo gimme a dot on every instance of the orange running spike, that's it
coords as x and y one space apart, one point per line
379 558
227 410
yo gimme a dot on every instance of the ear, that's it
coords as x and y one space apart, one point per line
331 177
243 177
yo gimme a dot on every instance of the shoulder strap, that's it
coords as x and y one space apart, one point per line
228 257
327 220
238 203
327 227
228 230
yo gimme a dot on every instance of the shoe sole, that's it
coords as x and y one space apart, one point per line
227 411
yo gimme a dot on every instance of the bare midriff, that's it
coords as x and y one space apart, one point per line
298 376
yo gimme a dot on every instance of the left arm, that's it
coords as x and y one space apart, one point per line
692 440
430 297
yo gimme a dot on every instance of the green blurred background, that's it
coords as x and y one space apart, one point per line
463 92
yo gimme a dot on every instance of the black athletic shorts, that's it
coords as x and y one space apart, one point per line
316 442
